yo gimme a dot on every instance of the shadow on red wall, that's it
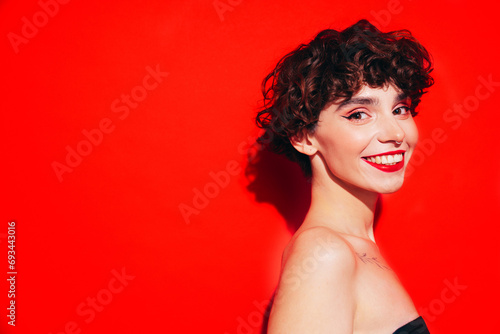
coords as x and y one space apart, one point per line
276 180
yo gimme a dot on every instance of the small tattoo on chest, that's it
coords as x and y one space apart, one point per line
366 259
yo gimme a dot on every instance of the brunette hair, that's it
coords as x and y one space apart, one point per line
332 68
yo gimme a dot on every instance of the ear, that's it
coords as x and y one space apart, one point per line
303 143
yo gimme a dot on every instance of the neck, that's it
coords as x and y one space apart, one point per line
341 207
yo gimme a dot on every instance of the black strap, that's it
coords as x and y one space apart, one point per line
416 326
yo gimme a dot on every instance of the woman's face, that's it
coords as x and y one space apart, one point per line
367 140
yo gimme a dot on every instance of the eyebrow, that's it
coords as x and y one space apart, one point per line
370 100
401 97
359 100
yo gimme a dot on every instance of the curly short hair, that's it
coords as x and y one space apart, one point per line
332 68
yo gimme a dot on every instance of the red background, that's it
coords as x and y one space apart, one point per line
119 207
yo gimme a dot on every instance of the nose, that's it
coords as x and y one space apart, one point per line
390 131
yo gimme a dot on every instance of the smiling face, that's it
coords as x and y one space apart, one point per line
365 141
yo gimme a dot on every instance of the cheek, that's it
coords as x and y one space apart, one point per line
345 143
411 138
411 133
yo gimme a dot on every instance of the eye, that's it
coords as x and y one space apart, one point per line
402 111
356 116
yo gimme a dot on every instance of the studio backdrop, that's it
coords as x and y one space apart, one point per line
134 198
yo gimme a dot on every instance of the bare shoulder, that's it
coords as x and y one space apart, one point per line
322 244
317 278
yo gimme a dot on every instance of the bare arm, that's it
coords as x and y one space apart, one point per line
315 293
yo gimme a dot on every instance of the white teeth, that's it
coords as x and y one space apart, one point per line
386 159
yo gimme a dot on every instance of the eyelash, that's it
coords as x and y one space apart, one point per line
358 113
351 116
408 110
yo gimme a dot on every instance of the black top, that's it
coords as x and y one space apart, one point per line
416 326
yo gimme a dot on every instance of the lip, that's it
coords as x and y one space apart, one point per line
387 168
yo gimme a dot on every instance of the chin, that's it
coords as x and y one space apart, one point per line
389 188
389 191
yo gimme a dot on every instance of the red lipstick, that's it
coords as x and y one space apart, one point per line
387 168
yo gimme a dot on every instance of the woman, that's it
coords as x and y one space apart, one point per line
342 106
